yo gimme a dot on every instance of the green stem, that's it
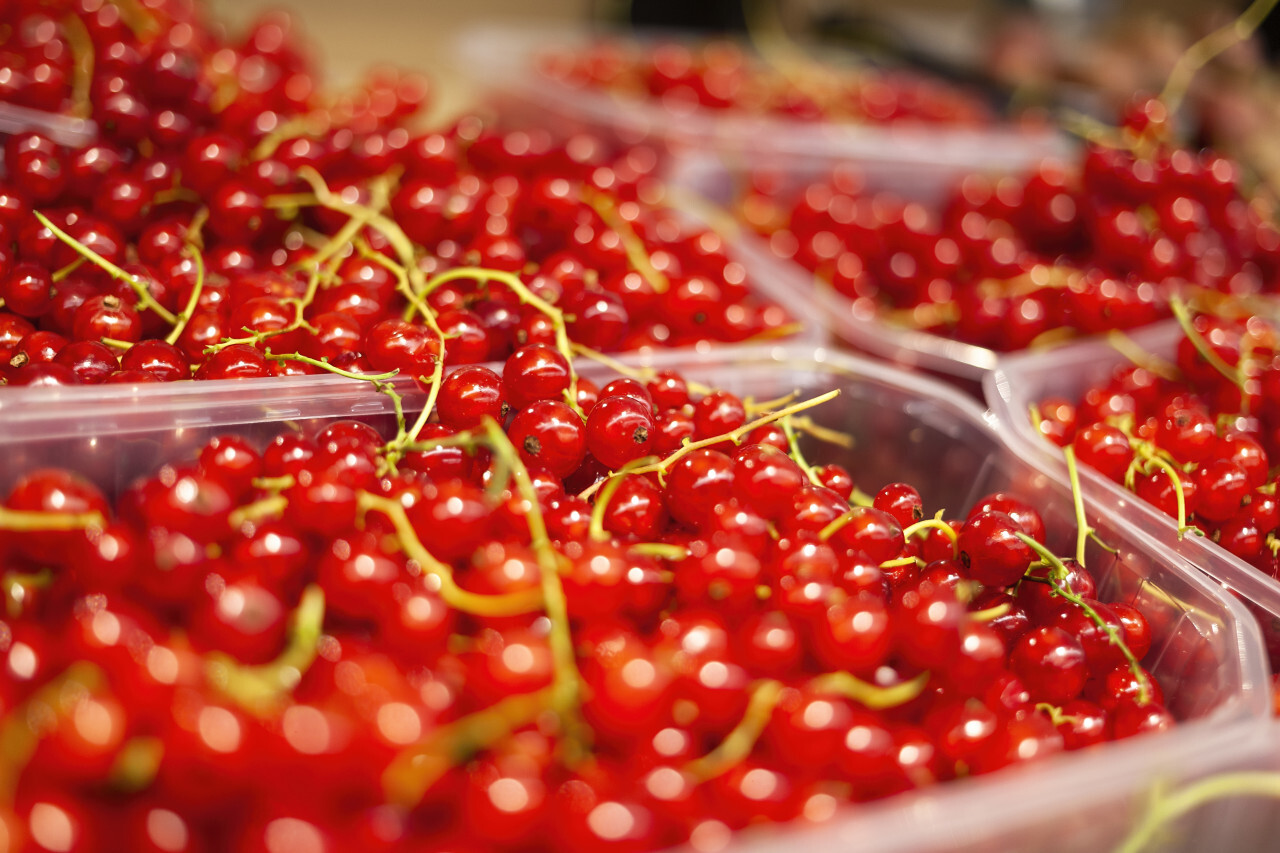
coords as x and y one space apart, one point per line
1077 499
661 550
793 444
409 276
527 296
15 585
379 190
1129 348
412 772
136 764
509 604
262 689
1057 575
1202 52
596 531
830 436
437 376
839 523
733 436
935 523
299 319
1206 351
32 520
1145 456
642 374
192 301
19 739
82 57
1179 495
991 613
870 695
631 242
1055 713
737 745
1166 809
861 498
568 681
268 507
60 274
145 299
324 365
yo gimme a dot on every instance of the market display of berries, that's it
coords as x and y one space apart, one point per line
515 593
1196 436
1010 262
546 613
720 75
226 211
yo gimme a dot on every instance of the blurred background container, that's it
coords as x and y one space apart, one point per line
1086 54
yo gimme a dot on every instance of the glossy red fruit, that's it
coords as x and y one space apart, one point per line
54 493
535 372
1051 663
1105 448
551 435
468 395
240 617
620 429
699 481
990 548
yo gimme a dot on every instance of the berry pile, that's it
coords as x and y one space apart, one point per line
226 211
549 613
1007 263
1195 437
719 75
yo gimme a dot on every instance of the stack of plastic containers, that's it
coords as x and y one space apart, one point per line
1208 654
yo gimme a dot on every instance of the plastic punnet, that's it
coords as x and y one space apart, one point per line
503 62
1020 382
767 282
714 180
63 129
1207 652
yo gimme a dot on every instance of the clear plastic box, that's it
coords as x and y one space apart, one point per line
1068 372
716 180
502 62
1207 652
65 130
766 283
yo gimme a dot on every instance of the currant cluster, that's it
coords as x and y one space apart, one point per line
222 215
1195 438
720 75
551 613
1008 262
155 74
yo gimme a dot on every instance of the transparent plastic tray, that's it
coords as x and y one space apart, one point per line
1020 382
502 62
65 130
717 179
1207 653
769 282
